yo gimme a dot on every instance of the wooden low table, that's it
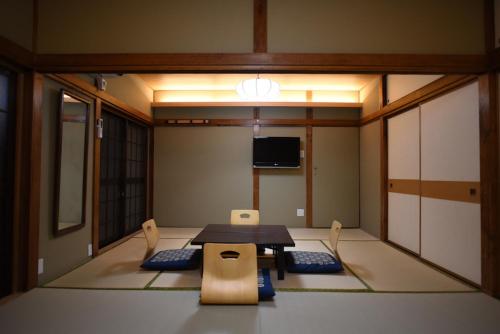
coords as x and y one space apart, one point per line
275 237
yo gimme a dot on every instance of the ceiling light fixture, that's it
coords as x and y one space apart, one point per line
258 89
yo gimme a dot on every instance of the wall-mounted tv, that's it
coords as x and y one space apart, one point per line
276 152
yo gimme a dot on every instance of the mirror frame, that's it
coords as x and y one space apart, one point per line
57 168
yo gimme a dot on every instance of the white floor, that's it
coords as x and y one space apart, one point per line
64 311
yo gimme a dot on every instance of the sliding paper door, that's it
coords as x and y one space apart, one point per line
451 210
404 179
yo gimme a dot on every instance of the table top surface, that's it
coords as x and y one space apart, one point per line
261 235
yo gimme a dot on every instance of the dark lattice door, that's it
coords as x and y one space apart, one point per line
123 178
112 192
135 203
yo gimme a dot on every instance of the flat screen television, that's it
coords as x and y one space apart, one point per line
276 152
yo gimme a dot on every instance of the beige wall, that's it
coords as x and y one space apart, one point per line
188 167
363 26
369 150
60 254
370 97
129 26
399 85
201 174
128 88
283 191
16 22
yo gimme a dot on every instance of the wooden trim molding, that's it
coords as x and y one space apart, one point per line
384 174
97 181
409 187
309 170
260 26
15 53
354 105
30 171
256 122
489 162
451 190
151 165
256 171
435 88
261 62
88 89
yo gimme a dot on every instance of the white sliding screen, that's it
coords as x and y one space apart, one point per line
450 212
404 175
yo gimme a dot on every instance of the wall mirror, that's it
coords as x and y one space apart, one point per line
71 163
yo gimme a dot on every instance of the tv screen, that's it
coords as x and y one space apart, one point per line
276 152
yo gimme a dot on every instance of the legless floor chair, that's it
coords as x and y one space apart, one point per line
245 217
317 262
229 274
171 259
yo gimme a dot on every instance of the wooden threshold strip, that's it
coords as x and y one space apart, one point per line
427 92
461 191
252 122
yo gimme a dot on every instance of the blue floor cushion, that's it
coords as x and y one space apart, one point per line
266 290
174 259
312 262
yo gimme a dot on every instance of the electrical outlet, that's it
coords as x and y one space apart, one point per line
302 154
40 266
300 212
89 249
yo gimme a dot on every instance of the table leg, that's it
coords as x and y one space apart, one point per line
280 262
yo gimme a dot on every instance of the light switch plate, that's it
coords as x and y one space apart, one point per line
40 266
300 212
89 249
302 154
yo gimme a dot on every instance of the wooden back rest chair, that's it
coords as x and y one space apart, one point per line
245 217
152 236
334 236
229 274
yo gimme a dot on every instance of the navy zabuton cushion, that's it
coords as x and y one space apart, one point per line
174 259
312 262
266 290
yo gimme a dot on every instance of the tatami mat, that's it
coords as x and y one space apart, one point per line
373 264
296 233
175 232
118 268
385 268
339 281
178 279
324 234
